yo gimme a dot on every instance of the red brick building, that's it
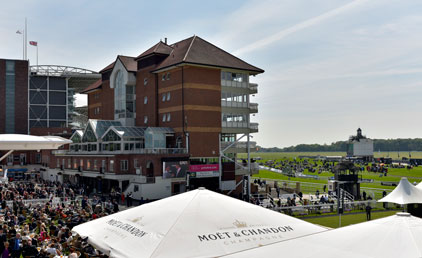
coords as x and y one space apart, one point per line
179 105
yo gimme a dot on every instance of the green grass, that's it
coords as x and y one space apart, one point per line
349 219
278 155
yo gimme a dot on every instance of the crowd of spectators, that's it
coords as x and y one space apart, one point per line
36 219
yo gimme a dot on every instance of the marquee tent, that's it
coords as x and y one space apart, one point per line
404 193
30 142
390 237
199 223
419 185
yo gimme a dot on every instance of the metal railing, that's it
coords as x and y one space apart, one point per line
325 208
135 151
253 86
238 145
253 107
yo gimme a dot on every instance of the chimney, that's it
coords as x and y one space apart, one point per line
165 41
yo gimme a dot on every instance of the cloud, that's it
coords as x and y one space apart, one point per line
259 44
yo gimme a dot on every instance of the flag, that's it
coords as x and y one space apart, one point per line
33 43
19 32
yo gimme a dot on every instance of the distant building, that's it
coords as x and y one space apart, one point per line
361 147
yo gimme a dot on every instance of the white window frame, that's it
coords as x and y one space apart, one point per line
163 98
124 165
168 96
111 168
145 100
164 117
168 117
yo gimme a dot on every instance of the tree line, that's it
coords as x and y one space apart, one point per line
341 146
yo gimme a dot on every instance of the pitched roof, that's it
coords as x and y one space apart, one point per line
100 126
94 86
195 50
159 48
129 62
108 67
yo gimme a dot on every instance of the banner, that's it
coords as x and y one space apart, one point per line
246 188
201 168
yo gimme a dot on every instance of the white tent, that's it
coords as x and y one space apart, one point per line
30 142
404 193
419 185
391 237
12 142
198 223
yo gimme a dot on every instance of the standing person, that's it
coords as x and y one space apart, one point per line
368 211
5 253
122 196
16 248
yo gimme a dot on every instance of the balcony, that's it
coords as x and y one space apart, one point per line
156 151
253 107
238 147
253 88
239 127
234 104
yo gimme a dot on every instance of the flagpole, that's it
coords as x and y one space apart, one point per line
23 45
37 57
25 40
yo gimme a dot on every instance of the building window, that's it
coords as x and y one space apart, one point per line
168 76
145 81
81 163
164 117
145 119
135 163
163 77
88 164
111 165
145 100
58 163
95 165
168 117
69 163
168 96
103 164
163 98
124 165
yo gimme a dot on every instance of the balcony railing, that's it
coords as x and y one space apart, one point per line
238 145
253 87
253 107
252 126
136 151
235 104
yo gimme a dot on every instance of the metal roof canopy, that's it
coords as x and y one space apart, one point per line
79 78
12 142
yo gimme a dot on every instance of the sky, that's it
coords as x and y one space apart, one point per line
331 66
